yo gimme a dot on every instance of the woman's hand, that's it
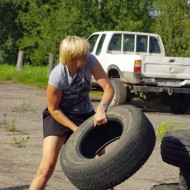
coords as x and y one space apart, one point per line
100 117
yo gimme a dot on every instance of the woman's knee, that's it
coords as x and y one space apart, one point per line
46 171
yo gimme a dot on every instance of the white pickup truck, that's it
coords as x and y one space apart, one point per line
136 64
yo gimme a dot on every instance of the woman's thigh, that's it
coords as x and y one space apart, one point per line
51 148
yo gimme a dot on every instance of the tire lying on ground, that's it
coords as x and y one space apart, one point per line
175 148
134 138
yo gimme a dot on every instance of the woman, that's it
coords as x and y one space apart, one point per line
68 102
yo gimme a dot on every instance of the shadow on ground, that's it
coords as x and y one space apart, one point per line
166 186
22 187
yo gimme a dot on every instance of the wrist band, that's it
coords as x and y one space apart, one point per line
104 105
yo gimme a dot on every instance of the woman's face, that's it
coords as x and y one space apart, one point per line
81 61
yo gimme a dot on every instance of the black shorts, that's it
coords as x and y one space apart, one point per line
52 128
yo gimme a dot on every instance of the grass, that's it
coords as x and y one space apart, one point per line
167 126
36 76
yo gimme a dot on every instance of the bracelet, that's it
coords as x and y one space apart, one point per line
104 105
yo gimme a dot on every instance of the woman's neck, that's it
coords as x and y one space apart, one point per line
72 70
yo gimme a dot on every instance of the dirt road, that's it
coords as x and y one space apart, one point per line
20 110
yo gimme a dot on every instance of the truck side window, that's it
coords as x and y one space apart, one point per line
92 40
154 45
128 42
141 43
115 43
100 44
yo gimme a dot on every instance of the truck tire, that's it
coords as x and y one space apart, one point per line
120 95
175 148
179 103
134 139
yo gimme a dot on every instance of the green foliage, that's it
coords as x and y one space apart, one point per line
40 36
167 126
163 127
171 23
10 32
36 76
20 142
9 126
37 27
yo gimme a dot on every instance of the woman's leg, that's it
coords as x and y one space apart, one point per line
51 148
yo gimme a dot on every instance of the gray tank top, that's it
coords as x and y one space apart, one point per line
75 91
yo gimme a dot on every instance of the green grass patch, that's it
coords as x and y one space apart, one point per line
167 126
36 76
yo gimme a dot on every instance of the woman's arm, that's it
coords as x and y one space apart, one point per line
53 100
101 77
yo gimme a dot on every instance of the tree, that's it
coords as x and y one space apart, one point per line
38 29
10 32
45 23
171 23
125 15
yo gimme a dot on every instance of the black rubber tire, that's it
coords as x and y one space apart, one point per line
175 148
135 142
184 179
120 95
179 103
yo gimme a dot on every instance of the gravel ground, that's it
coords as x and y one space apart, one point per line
21 107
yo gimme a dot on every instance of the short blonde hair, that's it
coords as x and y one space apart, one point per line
72 47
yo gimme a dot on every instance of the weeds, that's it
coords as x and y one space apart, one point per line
9 126
26 106
20 142
167 126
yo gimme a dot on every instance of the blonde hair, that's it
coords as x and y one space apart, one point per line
72 47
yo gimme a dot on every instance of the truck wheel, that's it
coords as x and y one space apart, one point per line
131 140
120 92
179 103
